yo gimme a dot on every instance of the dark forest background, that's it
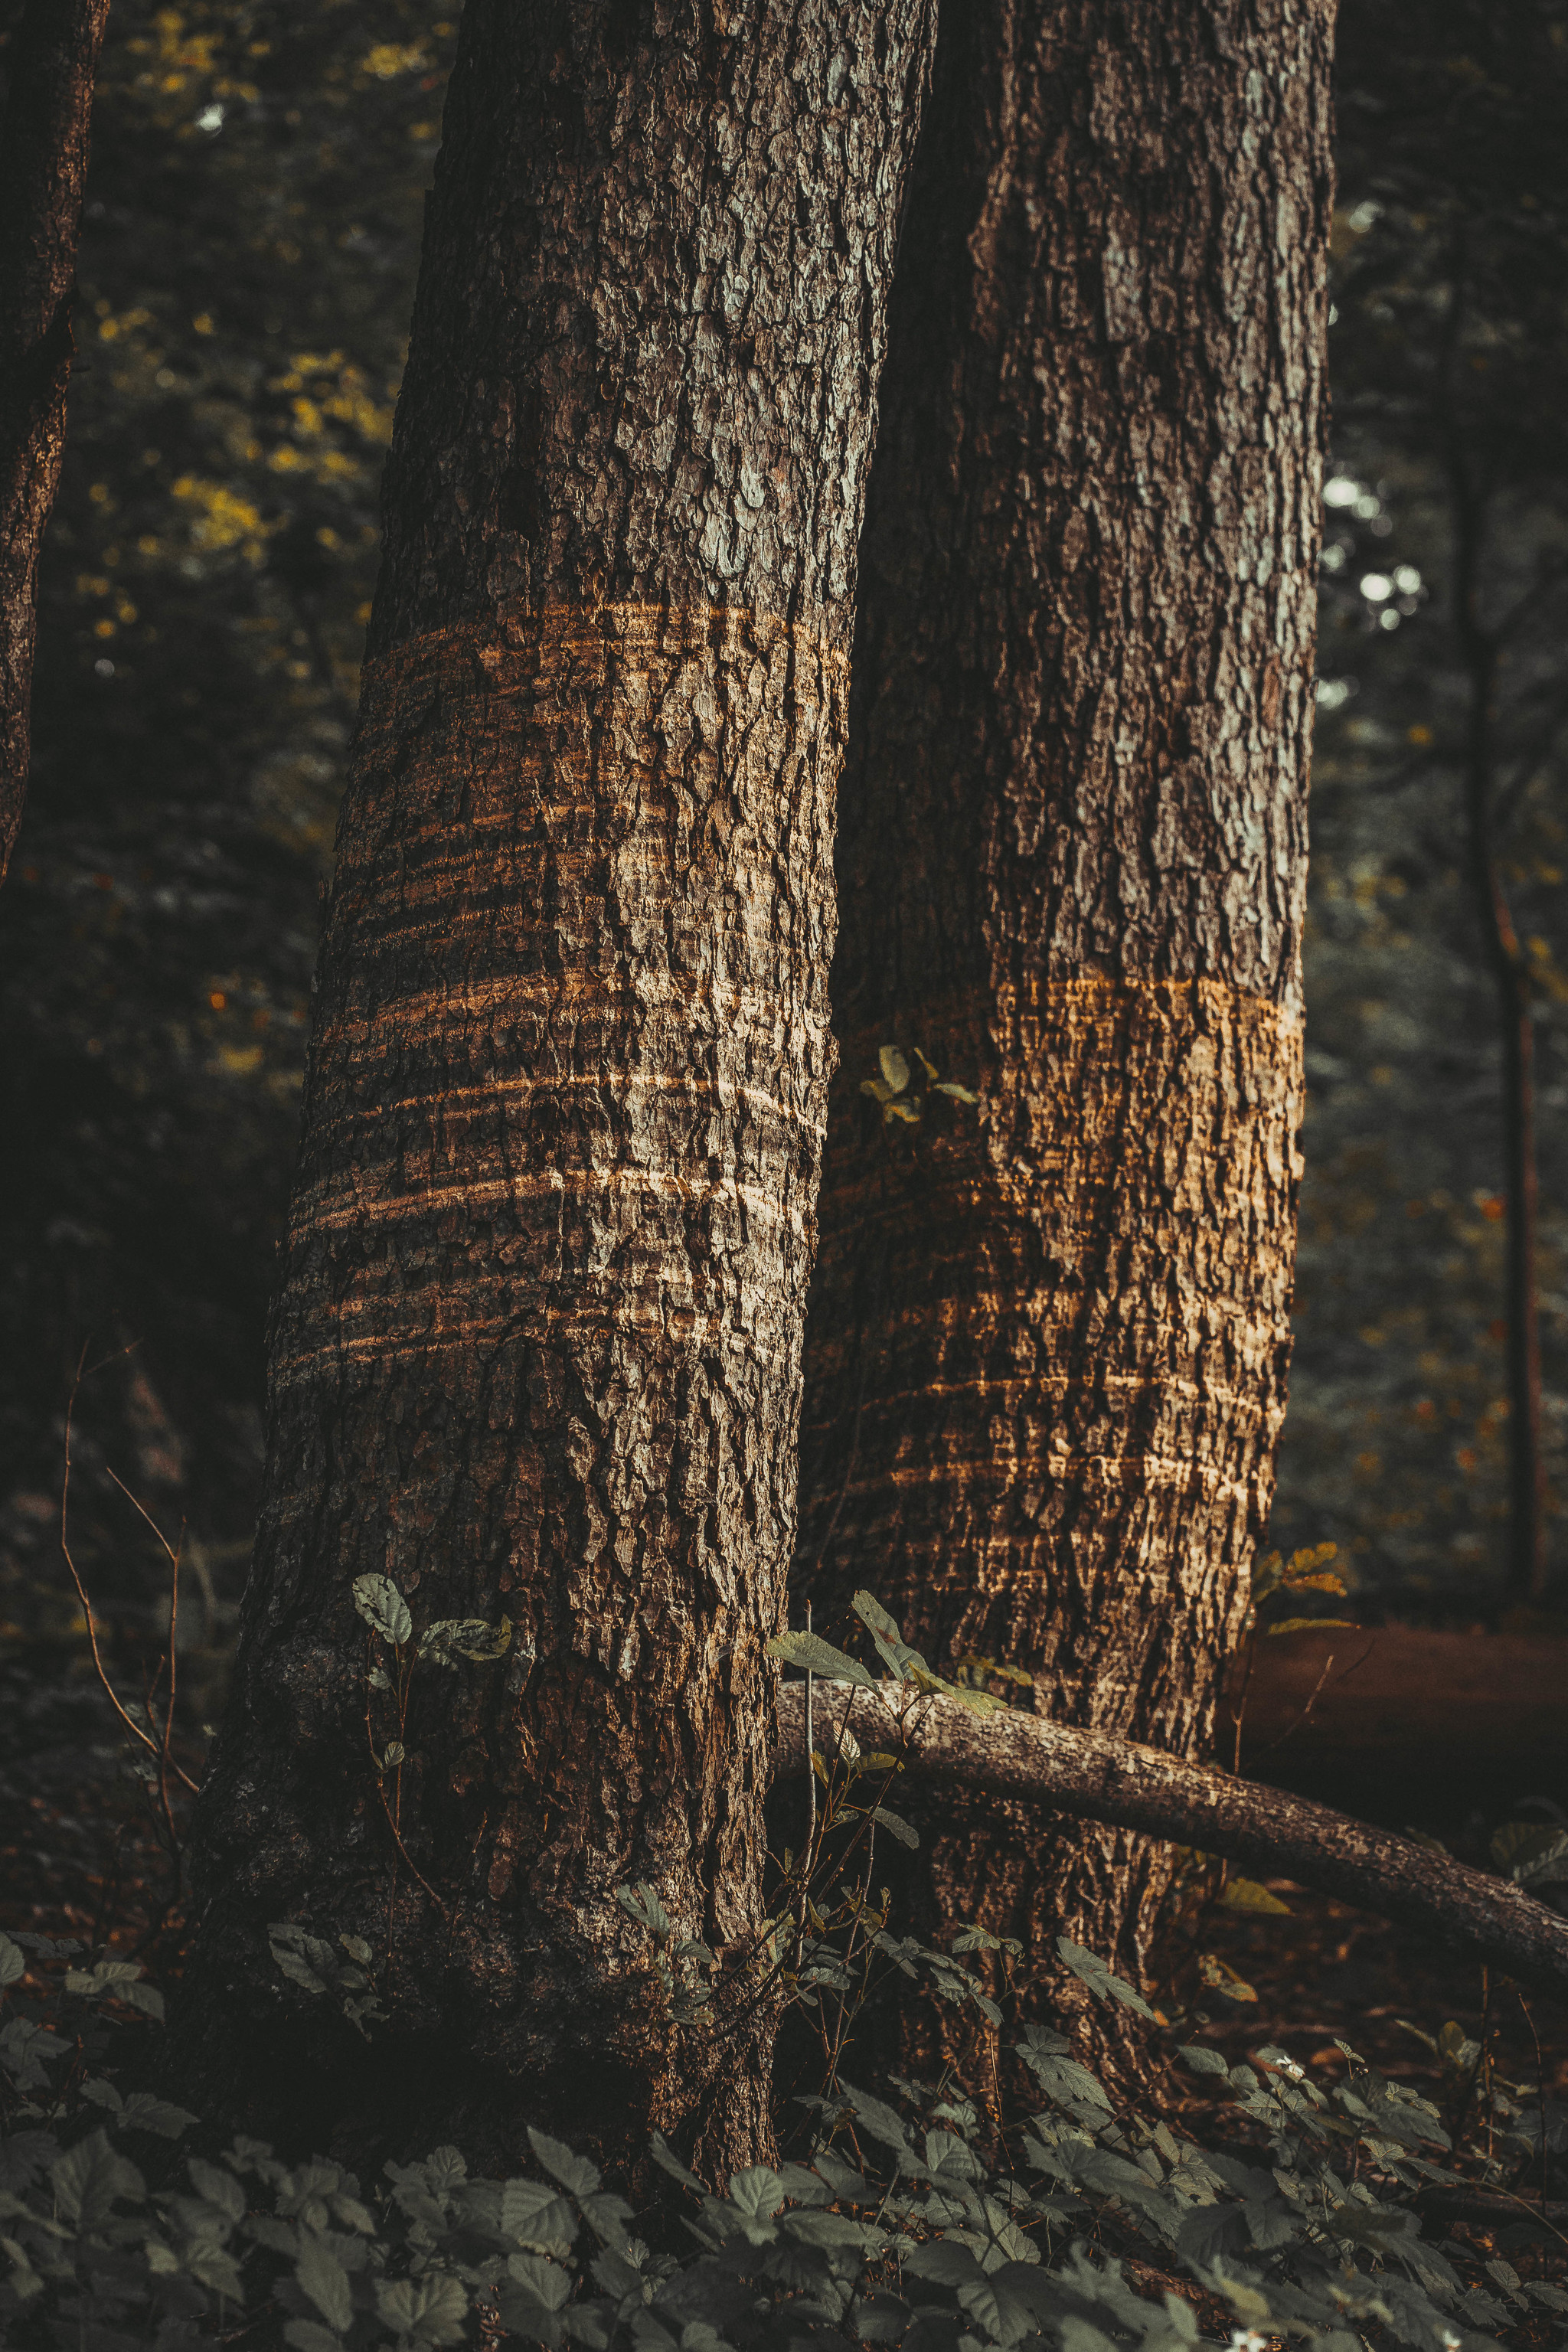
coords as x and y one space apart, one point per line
247 275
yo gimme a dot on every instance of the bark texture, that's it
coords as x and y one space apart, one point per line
51 64
946 1745
1048 1342
537 1348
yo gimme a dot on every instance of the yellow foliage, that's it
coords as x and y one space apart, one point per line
389 58
224 520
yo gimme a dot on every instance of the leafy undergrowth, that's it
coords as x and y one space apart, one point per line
1350 2159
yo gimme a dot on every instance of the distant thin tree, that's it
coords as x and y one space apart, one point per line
50 65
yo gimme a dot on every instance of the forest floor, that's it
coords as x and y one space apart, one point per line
82 1855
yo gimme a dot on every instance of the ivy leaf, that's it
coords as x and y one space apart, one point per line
384 1609
815 1656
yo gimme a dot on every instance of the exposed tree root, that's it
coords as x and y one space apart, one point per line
1027 1757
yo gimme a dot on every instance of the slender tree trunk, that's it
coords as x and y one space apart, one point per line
536 1351
51 64
1048 1339
1510 966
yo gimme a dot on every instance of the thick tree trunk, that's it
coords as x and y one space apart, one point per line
1048 1339
51 64
537 1348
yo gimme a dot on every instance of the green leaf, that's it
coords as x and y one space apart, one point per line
546 2282
1531 1851
1095 1974
891 1647
218 2186
143 2112
894 1067
758 2191
644 1907
306 2336
815 1656
324 2280
469 1637
563 2164
91 2179
538 2217
897 1824
1246 1894
357 1949
396 1753
429 2310
664 2155
13 1961
379 1680
1200 2060
384 1609
878 2117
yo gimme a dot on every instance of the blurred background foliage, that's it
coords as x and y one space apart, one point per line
245 277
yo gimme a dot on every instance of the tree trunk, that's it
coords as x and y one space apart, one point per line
536 1351
1510 962
1048 1336
51 62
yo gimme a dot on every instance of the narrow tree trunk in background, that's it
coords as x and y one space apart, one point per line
1527 1560
537 1348
1049 1339
51 64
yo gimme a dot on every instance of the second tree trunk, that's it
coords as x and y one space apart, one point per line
1047 1355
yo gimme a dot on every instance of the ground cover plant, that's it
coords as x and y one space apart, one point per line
1331 2145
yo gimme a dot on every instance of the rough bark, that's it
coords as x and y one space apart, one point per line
1035 1763
536 1350
1049 1339
51 64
